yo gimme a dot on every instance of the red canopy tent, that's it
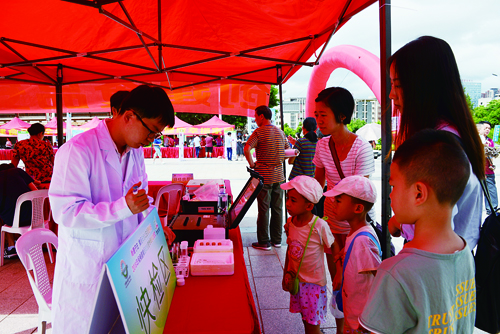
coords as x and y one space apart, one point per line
173 44
213 125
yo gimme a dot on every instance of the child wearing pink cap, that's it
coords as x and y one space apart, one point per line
354 196
307 235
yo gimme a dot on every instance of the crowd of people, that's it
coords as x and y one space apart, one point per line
436 198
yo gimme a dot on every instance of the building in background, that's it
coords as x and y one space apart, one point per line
294 109
368 110
486 97
293 112
474 90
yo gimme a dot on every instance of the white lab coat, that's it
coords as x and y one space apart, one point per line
87 197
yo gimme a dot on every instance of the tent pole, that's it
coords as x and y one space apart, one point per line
385 86
59 106
279 80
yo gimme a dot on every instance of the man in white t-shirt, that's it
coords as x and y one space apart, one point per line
197 145
229 146
354 196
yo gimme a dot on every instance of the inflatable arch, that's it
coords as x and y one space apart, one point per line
355 59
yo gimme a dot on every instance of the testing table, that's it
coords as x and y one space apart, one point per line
213 304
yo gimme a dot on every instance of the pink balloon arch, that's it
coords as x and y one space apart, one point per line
355 59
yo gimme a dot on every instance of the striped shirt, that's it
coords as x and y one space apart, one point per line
302 164
359 161
270 144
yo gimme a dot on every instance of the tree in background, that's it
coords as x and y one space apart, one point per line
288 130
490 113
298 131
355 124
469 102
273 97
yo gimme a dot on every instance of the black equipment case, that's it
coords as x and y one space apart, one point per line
190 227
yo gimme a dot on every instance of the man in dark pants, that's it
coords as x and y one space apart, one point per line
489 166
270 144
13 183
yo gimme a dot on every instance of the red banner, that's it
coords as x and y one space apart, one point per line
230 99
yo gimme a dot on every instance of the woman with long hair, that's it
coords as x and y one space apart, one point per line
427 93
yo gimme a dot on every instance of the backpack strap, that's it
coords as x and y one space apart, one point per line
348 253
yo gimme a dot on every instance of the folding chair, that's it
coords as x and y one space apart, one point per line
29 249
37 198
174 193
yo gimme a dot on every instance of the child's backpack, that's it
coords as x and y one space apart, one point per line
487 260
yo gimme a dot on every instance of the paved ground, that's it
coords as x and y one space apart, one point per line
19 311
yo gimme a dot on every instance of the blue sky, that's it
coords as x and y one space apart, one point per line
472 28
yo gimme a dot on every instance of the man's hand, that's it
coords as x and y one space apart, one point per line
138 202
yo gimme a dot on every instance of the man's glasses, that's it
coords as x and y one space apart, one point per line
152 134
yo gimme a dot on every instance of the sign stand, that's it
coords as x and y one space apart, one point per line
137 284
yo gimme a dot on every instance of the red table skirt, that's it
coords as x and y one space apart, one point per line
166 152
173 152
213 304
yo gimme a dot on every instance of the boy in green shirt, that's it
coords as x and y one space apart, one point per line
429 286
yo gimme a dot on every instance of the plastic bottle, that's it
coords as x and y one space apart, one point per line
184 248
222 199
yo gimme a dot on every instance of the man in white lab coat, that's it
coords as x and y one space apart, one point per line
92 200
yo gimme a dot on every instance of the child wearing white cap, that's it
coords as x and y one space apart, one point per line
307 235
354 196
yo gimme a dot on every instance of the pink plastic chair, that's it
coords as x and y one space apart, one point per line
29 249
174 193
37 198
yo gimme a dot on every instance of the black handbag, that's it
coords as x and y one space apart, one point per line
487 261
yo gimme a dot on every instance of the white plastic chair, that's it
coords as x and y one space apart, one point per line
29 249
37 198
174 193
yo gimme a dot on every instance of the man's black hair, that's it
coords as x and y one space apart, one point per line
150 102
264 110
115 101
485 122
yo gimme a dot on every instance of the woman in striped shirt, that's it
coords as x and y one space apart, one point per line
334 109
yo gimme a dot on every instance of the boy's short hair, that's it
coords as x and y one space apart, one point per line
149 102
366 205
307 186
436 158
264 110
